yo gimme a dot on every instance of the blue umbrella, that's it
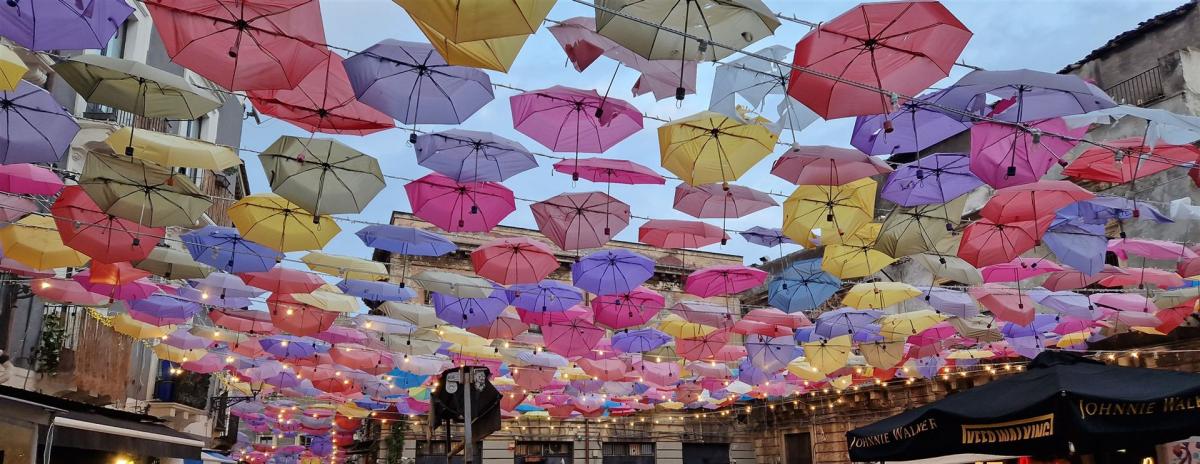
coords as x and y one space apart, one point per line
802 286
225 249
292 347
639 341
376 290
470 156
405 241
1078 244
549 296
1100 209
412 83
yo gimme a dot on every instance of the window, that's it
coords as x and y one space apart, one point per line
305 440
116 47
431 448
266 439
628 449
192 129
193 174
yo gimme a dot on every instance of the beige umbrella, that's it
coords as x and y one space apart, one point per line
898 327
983 328
144 192
732 22
1176 297
418 315
346 267
135 87
170 150
458 285
421 343
908 231
170 263
328 301
322 176
177 355
828 355
882 354
943 262
125 324
800 367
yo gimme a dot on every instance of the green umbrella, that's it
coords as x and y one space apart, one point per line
135 87
908 231
322 176
144 192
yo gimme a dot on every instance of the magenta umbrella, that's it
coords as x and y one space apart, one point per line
723 280
455 207
575 221
1004 155
609 171
825 165
1018 269
627 310
573 120
575 337
720 200
670 233
1152 249
29 179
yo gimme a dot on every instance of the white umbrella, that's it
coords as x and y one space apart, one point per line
1161 125
730 22
754 79
458 285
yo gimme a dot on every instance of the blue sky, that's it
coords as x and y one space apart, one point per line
1042 35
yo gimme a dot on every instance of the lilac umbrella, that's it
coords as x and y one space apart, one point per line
1078 244
225 249
376 290
1028 95
222 286
611 272
1101 209
162 305
61 25
764 236
470 156
545 296
564 119
949 301
183 339
35 128
210 299
470 312
412 83
911 128
406 241
292 347
934 179
845 321
639 341
771 354
1066 303
929 366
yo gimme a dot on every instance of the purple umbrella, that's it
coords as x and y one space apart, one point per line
61 25
470 312
223 286
1078 244
412 83
184 340
949 301
35 128
914 127
612 272
292 347
470 156
405 240
376 290
202 297
1102 208
764 236
771 354
225 249
929 366
1027 95
867 334
751 375
1028 347
639 341
546 296
162 305
845 321
1066 303
934 179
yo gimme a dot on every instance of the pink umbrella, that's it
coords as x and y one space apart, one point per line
669 233
628 310
578 37
515 260
720 200
1018 269
13 208
609 171
1123 302
1143 276
723 280
572 338
1003 155
703 312
207 364
29 179
132 290
1006 303
339 334
1152 249
824 165
659 374
66 291
937 333
1070 279
777 317
702 348
1072 325
751 327
506 326
455 207
547 318
533 377
573 120
354 356
709 370
605 369
1032 200
575 221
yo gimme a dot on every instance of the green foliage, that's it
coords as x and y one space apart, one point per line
395 441
49 350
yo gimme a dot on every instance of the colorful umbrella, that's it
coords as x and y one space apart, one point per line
752 79
296 318
35 242
1161 125
836 211
671 233
135 87
346 267
141 191
323 101
765 236
1003 155
738 23
170 150
901 47
1125 160
13 208
720 201
576 337
173 264
161 306
455 207
572 120
827 356
66 291
771 354
985 242
1005 303
12 68
609 171
410 82
1018 269
376 291
723 280
24 178
36 129
627 310
845 321
283 280
802 286
879 295
271 220
909 231
608 272
470 156
322 176
84 227
901 326
1031 201
583 46
639 340
825 165
911 128
545 296
456 285
937 178
1141 277
856 258
1151 249
575 221
117 282
63 26
710 147
514 260
225 249
507 326
493 53
1025 96
1077 244
475 20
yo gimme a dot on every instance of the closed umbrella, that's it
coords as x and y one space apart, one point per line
36 128
410 82
225 249
323 101
710 147
35 242
275 222
514 260
609 272
323 176
470 156
84 227
576 221
135 87
145 192
455 207
836 211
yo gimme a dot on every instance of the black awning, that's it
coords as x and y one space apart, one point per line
97 432
1063 402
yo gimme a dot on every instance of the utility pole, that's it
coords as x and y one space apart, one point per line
587 441
468 435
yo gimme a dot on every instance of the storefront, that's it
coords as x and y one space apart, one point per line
628 453
543 452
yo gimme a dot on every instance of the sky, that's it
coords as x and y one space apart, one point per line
1042 35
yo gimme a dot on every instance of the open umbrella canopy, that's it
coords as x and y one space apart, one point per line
283 280
609 171
932 179
279 224
470 156
671 233
879 295
1125 160
170 150
455 207
575 221
909 231
35 242
225 249
36 129
346 267
912 127
723 280
323 101
740 23
710 147
67 291
662 77
411 82
141 191
25 178
84 227
802 286
825 165
573 120
544 296
720 201
63 26
627 310
323 176
514 260
136 87
173 264
834 211
406 241
1003 155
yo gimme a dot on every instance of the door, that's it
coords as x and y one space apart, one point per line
706 453
797 448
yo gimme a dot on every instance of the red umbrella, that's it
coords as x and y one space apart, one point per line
533 377
720 200
1130 160
576 337
669 233
371 361
902 47
243 44
1142 277
1027 202
323 102
455 207
575 221
506 326
516 260
89 230
1070 279
723 280
1006 303
631 309
243 320
283 280
824 165
985 242
297 318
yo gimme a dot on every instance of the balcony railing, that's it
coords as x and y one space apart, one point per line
1141 90
125 118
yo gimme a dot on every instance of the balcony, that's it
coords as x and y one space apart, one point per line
1142 90
125 118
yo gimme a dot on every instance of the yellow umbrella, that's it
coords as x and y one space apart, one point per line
975 354
12 69
170 150
471 20
678 328
352 411
878 295
34 242
496 53
671 405
460 336
328 301
346 267
897 327
710 147
270 220
124 324
842 383
828 355
836 211
177 355
801 368
475 351
882 354
857 258
573 373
